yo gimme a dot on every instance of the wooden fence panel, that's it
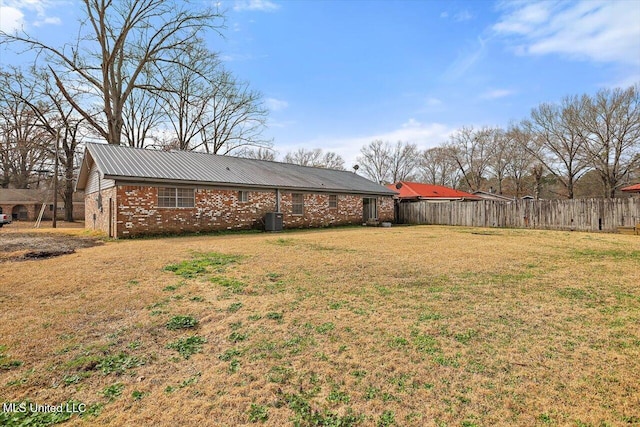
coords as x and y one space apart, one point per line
579 214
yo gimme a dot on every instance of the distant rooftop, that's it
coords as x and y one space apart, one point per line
632 188
416 190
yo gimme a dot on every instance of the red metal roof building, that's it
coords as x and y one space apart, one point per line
410 191
632 188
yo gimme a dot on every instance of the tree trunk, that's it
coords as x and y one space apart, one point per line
68 189
612 188
68 203
570 187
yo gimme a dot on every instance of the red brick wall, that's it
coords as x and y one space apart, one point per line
317 212
33 210
386 209
216 209
97 218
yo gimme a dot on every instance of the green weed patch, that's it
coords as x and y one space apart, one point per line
202 263
6 362
181 322
187 347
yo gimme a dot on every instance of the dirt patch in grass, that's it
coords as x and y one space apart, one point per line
28 246
411 326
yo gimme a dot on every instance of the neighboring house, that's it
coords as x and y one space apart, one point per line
489 195
415 191
26 204
632 189
21 205
132 191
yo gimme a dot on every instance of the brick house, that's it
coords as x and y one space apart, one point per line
25 204
131 192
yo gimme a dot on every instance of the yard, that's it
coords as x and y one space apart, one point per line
407 326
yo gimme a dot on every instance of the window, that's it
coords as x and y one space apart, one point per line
333 201
176 197
297 203
166 197
243 196
185 197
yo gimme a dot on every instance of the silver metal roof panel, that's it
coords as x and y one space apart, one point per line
131 164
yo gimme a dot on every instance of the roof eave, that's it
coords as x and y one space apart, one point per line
442 198
130 179
83 174
631 189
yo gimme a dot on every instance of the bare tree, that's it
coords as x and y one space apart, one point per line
304 157
385 163
537 171
501 153
332 160
315 158
208 108
375 160
185 92
142 116
24 141
471 150
403 161
521 161
258 153
560 146
236 114
5 146
54 116
63 124
437 167
609 125
117 42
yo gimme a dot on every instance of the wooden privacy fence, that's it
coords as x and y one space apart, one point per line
578 214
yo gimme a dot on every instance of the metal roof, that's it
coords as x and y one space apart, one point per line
123 163
632 188
416 190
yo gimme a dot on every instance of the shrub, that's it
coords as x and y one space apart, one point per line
181 322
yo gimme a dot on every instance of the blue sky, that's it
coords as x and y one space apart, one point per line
339 74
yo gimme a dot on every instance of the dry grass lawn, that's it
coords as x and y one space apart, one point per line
407 326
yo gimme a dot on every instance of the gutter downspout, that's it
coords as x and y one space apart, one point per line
277 200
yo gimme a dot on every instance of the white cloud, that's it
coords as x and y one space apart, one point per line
466 59
462 16
20 14
274 104
599 31
255 5
433 102
496 93
625 82
11 19
231 57
280 124
525 19
50 20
